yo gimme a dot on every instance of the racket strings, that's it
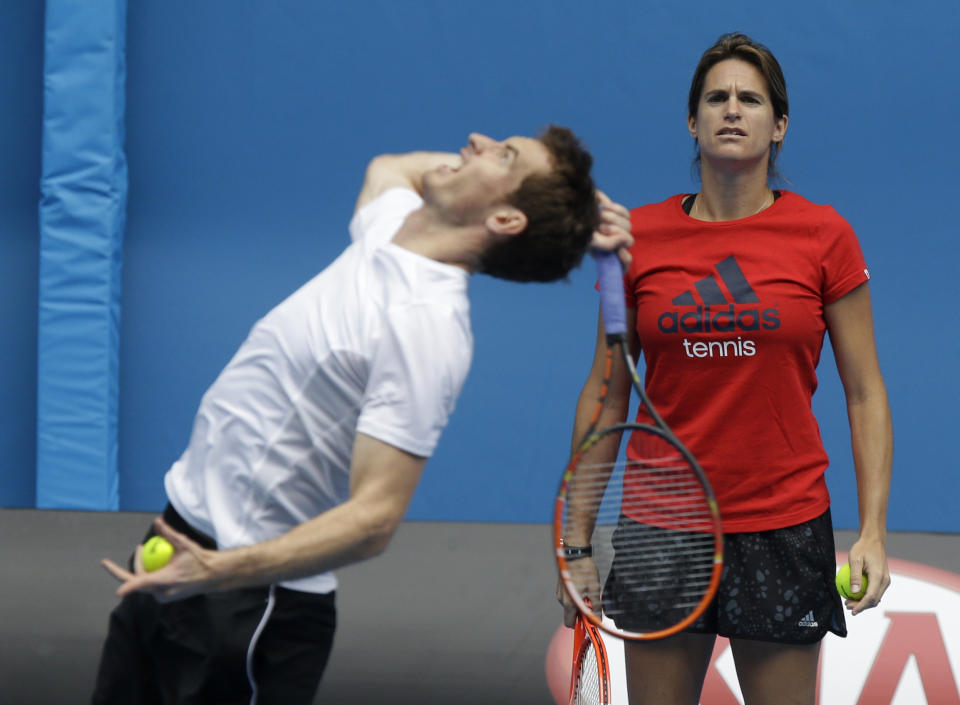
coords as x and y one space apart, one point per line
653 530
587 689
691 547
671 478
671 495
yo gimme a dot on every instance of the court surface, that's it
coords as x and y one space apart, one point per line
452 613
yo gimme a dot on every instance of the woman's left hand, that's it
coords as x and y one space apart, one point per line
868 557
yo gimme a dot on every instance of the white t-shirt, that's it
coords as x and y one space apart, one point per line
379 342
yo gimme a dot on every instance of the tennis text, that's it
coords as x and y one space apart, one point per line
720 348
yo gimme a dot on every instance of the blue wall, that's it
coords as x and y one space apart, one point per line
21 90
249 126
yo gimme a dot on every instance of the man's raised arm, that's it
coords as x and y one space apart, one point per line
402 171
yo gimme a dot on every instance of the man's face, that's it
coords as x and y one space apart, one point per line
490 171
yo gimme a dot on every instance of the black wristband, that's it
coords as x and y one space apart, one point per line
571 553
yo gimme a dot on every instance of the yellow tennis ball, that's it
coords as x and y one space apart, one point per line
157 552
843 583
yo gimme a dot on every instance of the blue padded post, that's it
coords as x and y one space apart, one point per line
82 210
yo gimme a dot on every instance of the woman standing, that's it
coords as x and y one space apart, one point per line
730 292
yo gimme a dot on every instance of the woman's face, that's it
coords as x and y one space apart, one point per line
735 123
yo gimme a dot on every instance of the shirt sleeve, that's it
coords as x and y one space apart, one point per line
842 265
416 376
378 221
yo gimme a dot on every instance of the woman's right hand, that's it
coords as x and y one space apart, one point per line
586 577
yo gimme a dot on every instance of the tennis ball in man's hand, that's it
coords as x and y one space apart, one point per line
843 583
157 552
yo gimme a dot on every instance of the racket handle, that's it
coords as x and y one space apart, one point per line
612 305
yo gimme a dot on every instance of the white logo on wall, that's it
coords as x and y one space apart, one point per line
906 651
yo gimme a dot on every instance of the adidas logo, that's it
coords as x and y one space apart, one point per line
809 620
723 318
710 292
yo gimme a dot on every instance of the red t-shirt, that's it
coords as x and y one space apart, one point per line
730 321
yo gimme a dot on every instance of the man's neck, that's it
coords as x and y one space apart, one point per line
426 234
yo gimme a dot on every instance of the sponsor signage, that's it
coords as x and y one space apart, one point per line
906 651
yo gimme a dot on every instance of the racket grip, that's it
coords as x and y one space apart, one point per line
612 305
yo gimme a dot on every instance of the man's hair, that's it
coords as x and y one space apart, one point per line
562 213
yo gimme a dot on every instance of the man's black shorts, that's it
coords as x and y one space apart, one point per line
217 647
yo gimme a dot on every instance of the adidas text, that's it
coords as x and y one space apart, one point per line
703 320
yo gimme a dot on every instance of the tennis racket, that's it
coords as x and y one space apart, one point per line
640 539
590 676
